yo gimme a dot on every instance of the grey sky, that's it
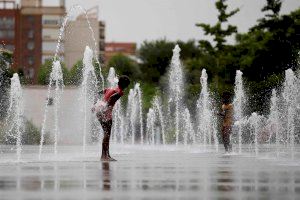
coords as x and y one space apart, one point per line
139 20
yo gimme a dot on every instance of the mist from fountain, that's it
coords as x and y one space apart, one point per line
14 119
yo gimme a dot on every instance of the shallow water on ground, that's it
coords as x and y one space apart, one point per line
148 173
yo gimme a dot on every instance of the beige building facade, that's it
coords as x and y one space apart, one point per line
79 34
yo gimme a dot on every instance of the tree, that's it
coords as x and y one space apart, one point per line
75 74
217 31
125 66
45 70
272 9
156 57
218 58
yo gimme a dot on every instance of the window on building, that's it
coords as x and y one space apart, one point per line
10 47
30 18
30 60
7 23
50 22
51 46
30 45
7 34
30 34
30 73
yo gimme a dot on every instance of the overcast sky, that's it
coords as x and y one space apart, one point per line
139 20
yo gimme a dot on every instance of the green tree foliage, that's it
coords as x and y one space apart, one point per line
217 31
156 57
125 66
75 73
218 57
45 70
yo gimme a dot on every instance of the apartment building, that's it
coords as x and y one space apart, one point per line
79 35
10 29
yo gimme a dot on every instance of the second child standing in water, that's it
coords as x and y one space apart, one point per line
104 109
227 114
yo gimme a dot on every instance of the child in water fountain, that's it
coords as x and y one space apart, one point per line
227 114
104 108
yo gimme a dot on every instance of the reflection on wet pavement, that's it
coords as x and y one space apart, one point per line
152 175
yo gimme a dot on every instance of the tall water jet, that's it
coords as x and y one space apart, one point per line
290 92
88 90
151 126
56 80
158 109
15 111
205 115
134 113
112 79
273 121
176 87
188 130
255 122
139 100
117 129
238 105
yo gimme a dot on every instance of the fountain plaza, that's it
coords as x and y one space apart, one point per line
170 152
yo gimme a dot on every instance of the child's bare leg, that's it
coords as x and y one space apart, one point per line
105 143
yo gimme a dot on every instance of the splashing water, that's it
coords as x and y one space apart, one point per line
206 120
176 88
290 92
112 78
255 123
14 120
60 82
88 90
238 105
188 130
151 126
56 80
158 109
61 34
134 113
273 121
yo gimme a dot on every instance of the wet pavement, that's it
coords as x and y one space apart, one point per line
149 174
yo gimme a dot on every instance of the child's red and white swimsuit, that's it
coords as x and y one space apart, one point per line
103 110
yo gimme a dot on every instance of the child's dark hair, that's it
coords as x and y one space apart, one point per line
226 96
124 81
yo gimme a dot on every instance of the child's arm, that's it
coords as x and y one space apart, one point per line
113 98
223 113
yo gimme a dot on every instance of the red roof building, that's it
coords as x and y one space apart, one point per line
113 48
